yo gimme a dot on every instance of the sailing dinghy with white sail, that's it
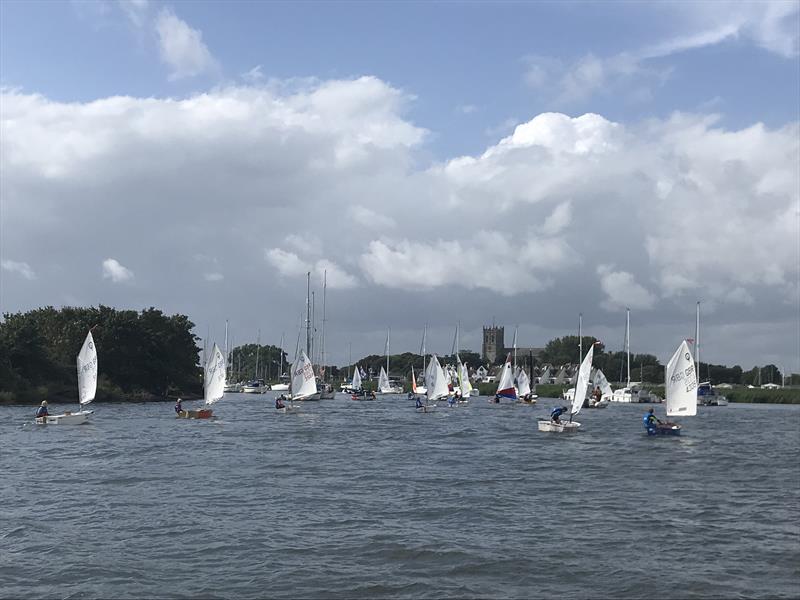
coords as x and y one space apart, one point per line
681 390
581 385
213 386
437 387
526 396
87 387
506 388
463 382
304 383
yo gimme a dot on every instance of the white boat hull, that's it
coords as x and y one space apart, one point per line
280 387
77 418
564 427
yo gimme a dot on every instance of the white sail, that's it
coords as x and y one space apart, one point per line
601 382
214 381
304 383
463 380
437 384
506 386
87 370
383 381
355 385
582 382
681 383
523 383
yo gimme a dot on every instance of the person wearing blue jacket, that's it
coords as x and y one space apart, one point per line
42 412
555 415
650 422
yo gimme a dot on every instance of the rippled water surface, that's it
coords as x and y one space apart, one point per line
370 499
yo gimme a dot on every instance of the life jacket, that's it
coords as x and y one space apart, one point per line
557 412
42 412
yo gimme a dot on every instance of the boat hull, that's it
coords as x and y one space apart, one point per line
565 427
67 418
280 387
665 429
203 413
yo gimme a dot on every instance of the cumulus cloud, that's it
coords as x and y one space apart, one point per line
135 10
181 47
622 290
116 272
21 268
325 175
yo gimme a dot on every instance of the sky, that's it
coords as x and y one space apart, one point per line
510 163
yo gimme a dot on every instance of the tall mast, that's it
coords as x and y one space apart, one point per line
350 366
226 349
281 359
697 341
387 352
313 328
258 350
580 338
308 312
322 341
422 350
628 342
458 340
515 347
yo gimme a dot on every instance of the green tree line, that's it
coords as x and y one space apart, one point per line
144 354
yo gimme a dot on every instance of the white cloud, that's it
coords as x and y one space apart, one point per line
254 75
213 276
287 263
182 47
22 268
622 290
135 10
114 271
373 221
558 219
466 109
224 174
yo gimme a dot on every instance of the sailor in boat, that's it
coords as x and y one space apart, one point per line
279 402
42 412
555 414
418 403
651 422
178 407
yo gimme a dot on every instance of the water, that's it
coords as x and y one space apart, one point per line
370 499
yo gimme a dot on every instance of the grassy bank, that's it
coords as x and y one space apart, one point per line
755 395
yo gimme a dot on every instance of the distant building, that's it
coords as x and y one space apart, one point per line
494 346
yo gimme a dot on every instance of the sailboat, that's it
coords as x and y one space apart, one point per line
437 386
421 389
303 382
357 393
463 381
601 382
87 387
581 384
384 385
506 389
632 392
213 386
681 390
524 388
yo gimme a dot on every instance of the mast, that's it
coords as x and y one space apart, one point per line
322 341
226 345
258 350
313 328
697 341
628 342
515 347
350 366
280 351
422 350
387 352
580 338
308 312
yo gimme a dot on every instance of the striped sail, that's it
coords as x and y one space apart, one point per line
505 388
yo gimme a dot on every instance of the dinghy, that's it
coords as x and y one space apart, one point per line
524 388
87 387
580 392
681 389
437 386
463 382
213 386
355 388
304 383
505 389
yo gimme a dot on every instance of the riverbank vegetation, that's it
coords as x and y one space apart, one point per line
142 356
